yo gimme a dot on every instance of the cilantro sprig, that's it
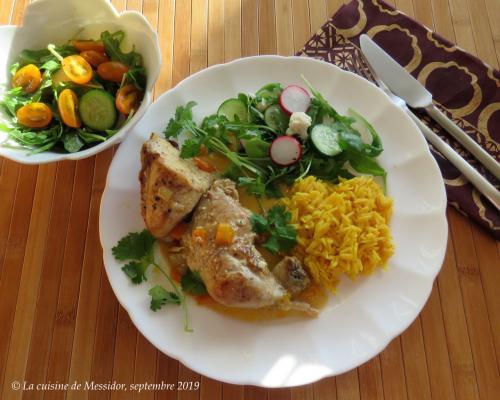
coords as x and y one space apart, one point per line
138 249
276 225
211 134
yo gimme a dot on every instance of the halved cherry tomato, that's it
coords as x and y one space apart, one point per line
28 77
94 57
68 105
127 99
34 115
84 45
59 77
112 71
77 69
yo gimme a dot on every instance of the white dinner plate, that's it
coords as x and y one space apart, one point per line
365 315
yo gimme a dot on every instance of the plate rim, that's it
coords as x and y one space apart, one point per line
384 341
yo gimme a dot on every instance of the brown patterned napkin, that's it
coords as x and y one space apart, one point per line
464 88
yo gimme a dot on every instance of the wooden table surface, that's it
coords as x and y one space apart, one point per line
60 321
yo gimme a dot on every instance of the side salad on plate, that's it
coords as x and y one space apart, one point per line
280 135
72 96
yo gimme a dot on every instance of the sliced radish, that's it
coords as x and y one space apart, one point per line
294 99
285 150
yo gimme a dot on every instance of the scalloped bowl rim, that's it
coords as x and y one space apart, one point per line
20 155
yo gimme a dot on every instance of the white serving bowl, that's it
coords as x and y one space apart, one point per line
56 21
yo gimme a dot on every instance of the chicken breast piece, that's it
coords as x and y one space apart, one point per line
235 274
170 186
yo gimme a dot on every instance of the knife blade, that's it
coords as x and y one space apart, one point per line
405 86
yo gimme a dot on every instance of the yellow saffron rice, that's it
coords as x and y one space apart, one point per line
340 228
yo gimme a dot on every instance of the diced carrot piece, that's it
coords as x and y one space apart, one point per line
178 231
200 234
224 234
204 299
175 274
203 165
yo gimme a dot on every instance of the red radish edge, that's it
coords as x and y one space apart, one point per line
294 98
285 151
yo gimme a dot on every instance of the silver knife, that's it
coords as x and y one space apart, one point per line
474 177
404 85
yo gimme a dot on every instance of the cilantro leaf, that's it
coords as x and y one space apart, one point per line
192 283
134 246
272 244
191 148
136 270
160 296
282 236
182 115
259 223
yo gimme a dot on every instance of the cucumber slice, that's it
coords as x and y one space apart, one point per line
233 108
271 89
97 110
326 140
268 95
276 119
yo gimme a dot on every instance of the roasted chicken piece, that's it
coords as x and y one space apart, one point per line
220 246
170 186
290 273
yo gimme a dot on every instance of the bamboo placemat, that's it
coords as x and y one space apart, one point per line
60 321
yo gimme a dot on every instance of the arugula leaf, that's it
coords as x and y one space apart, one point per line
112 43
51 65
253 186
192 283
13 68
90 137
375 148
366 165
72 142
257 148
160 296
38 141
14 99
137 76
39 57
282 236
134 246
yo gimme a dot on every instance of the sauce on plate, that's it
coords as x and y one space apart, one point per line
314 294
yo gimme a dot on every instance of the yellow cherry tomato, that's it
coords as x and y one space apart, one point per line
68 108
84 45
34 115
128 98
94 58
77 69
112 71
28 77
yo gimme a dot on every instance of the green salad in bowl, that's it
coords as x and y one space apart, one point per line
73 96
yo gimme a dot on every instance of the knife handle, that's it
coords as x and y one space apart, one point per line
474 177
477 151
